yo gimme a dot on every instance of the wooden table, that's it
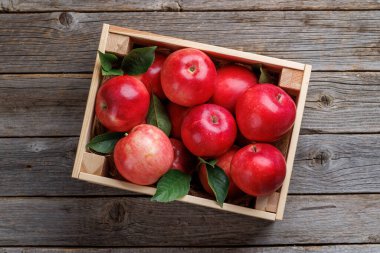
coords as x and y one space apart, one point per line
47 52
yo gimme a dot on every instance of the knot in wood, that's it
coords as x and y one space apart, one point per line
66 19
321 158
172 6
326 100
117 212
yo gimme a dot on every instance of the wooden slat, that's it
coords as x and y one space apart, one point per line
42 105
88 119
227 5
53 105
123 221
324 164
366 248
147 38
337 163
327 40
177 5
342 103
188 198
42 167
301 101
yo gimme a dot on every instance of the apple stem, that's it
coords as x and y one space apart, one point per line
254 148
192 69
214 119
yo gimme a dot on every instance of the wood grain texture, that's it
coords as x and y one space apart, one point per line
42 167
227 5
342 103
337 153
183 5
324 164
123 221
42 105
366 248
327 40
336 163
53 105
87 5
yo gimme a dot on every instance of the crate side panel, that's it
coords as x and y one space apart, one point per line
89 112
293 142
226 53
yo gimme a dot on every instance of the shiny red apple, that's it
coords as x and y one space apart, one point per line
176 115
183 160
144 155
265 112
224 162
208 130
231 82
152 77
122 103
188 77
258 169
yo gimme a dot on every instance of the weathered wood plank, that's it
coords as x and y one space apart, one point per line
42 105
125 221
180 5
342 103
67 42
93 5
336 163
53 105
324 164
366 248
227 5
42 167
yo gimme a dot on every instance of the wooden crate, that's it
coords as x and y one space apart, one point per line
294 78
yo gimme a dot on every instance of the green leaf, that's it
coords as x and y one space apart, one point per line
138 60
104 143
112 72
173 185
157 115
218 181
266 76
106 60
211 163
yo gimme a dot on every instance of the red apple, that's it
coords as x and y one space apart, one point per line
183 160
152 77
231 82
122 103
144 155
258 169
188 77
208 130
224 162
176 115
265 112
